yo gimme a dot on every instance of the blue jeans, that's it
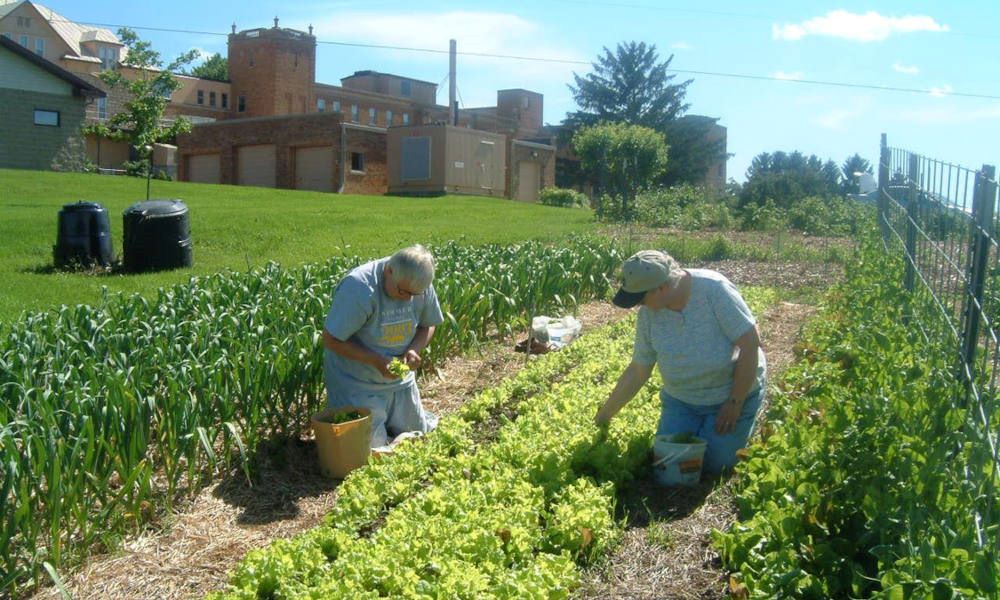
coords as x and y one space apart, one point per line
677 416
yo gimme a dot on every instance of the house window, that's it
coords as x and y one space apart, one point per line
211 98
388 118
406 118
102 108
405 88
336 106
6 34
163 90
354 113
24 41
357 162
201 96
47 118
40 46
225 100
241 103
372 116
24 22
321 104
108 56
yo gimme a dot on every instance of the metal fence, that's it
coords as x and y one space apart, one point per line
942 217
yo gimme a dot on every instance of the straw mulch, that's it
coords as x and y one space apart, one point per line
191 552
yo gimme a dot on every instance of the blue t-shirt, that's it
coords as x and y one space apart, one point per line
694 347
362 312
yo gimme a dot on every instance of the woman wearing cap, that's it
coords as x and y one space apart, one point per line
694 325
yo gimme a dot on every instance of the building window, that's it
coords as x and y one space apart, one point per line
40 46
24 22
47 118
108 56
225 100
357 162
6 34
354 113
388 118
163 90
372 116
406 118
241 104
321 104
201 96
405 88
24 41
211 98
102 108
336 106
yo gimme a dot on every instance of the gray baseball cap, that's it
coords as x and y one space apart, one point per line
643 271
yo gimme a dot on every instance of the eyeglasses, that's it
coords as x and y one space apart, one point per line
405 292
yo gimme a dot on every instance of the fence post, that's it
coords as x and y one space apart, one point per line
883 190
983 199
912 214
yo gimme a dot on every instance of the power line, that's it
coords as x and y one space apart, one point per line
841 84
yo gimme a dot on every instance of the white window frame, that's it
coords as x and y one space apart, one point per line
336 106
372 116
40 46
355 113
102 108
388 118
320 104
24 41
406 118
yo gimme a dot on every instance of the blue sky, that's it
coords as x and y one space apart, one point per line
945 49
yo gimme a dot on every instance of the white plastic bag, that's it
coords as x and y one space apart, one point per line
556 332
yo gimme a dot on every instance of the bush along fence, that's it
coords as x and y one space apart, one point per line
110 412
859 485
942 219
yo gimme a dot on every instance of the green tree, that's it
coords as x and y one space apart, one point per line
215 67
148 87
631 85
622 158
854 164
785 178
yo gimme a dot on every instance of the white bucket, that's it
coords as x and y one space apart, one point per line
677 464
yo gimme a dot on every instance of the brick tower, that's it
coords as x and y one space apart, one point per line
272 71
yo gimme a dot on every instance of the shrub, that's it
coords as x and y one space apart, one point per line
553 196
765 217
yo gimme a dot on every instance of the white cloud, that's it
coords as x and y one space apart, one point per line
867 27
476 32
681 46
838 118
940 91
787 76
907 69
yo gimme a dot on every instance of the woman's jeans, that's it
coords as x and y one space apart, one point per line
677 416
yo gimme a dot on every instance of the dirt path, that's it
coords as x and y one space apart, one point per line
190 556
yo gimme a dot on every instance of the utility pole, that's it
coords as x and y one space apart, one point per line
452 85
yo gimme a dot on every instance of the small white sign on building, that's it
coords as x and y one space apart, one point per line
459 164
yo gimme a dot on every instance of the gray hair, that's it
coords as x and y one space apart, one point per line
674 270
414 265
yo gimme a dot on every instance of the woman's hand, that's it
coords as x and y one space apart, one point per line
412 359
729 413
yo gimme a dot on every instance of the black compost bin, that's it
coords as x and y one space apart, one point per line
157 236
84 236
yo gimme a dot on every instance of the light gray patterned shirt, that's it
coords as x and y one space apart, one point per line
694 348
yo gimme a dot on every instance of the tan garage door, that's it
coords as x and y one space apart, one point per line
314 169
204 168
256 165
529 175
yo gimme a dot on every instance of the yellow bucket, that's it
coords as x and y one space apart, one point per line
342 447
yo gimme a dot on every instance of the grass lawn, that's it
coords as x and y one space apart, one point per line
235 227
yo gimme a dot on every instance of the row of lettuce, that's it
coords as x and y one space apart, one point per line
108 413
869 481
508 498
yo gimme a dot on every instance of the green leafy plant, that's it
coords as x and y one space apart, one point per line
398 368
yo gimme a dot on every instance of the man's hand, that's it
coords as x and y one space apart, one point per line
602 418
729 413
412 359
